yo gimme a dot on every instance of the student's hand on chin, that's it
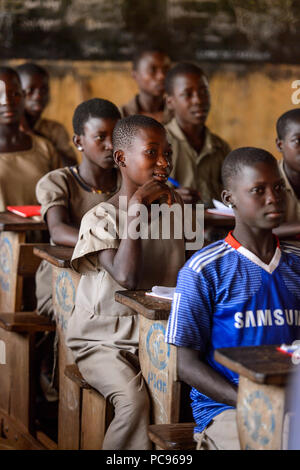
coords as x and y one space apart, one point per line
188 195
152 191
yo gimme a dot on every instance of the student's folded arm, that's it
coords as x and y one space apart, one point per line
123 264
61 230
288 230
195 372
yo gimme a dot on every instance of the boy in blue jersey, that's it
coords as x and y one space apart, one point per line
241 291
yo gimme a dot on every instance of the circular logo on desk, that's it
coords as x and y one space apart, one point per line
158 351
6 260
65 291
259 417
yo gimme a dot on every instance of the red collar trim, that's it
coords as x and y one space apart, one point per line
235 244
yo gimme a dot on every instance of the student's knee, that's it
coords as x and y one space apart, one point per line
134 399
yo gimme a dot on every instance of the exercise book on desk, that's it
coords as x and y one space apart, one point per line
162 292
26 211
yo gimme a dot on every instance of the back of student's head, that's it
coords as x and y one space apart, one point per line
30 69
93 108
242 157
284 121
182 68
127 128
9 71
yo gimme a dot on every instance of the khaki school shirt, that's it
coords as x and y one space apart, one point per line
20 171
133 107
201 171
292 202
62 188
58 136
116 323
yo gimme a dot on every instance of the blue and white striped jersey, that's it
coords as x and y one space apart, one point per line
227 297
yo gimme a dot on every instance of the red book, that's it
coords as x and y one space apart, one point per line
25 211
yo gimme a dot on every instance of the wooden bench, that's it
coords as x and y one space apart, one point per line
177 436
18 376
83 414
158 360
17 262
263 375
96 412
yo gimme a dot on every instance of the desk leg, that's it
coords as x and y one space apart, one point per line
260 414
159 368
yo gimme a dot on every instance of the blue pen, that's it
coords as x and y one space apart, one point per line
174 182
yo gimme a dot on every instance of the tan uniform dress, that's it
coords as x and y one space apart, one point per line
58 136
133 107
292 202
201 171
20 171
62 188
103 334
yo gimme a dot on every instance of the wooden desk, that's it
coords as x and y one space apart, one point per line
83 414
222 221
264 372
158 359
18 373
16 258
64 285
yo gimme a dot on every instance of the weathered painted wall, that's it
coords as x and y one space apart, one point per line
246 99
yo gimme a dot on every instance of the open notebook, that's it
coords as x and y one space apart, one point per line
162 292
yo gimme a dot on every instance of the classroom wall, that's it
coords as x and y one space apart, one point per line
246 99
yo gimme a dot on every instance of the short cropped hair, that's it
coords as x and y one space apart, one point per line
142 51
30 68
95 107
126 129
237 159
182 68
284 121
10 71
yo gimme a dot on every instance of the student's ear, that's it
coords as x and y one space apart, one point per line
134 74
77 142
279 143
169 101
227 199
119 158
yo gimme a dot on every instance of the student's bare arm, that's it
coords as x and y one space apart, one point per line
287 230
196 373
60 228
125 263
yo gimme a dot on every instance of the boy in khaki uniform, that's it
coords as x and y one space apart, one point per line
102 333
150 66
24 158
35 83
198 154
288 143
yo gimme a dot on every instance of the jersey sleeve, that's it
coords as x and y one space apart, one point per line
52 190
98 231
190 320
